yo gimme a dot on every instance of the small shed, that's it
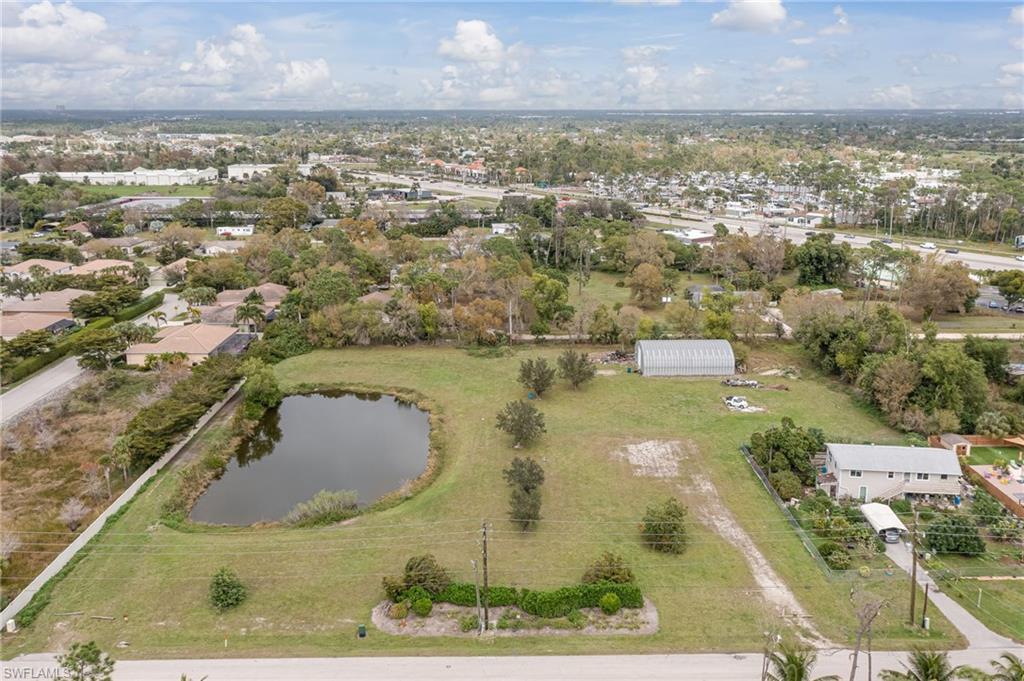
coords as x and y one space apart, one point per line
881 518
685 358
958 443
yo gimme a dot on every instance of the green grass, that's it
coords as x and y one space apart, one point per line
310 588
1002 603
988 455
602 288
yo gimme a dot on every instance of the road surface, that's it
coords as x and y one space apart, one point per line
56 376
697 667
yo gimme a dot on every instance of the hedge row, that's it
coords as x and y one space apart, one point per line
140 308
557 603
27 367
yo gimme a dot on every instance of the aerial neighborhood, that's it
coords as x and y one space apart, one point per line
495 385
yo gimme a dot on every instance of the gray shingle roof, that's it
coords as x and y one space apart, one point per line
898 459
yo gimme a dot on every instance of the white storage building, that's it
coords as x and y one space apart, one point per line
685 358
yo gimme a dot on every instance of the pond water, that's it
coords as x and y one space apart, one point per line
368 443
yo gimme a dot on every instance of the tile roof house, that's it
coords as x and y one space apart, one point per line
223 310
50 301
22 269
197 341
102 265
13 325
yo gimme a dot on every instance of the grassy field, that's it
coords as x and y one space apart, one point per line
311 587
602 288
1001 603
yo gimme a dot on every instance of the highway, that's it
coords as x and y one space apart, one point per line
796 234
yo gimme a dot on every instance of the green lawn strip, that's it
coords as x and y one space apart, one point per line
310 588
1002 603
988 455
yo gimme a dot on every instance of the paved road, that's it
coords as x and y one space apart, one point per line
711 667
56 376
976 633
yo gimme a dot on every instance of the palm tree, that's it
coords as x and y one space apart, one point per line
926 665
195 314
250 312
1008 667
793 663
158 316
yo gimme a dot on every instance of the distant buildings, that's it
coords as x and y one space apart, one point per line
139 176
23 270
690 236
236 230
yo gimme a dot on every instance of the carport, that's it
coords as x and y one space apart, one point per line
882 518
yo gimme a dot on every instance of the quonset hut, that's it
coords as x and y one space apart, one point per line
685 358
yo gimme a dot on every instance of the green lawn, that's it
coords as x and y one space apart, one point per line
988 455
311 587
602 288
118 190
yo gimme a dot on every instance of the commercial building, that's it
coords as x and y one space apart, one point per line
139 176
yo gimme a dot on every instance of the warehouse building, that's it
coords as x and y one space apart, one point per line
685 358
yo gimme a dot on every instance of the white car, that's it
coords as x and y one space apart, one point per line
1020 257
928 245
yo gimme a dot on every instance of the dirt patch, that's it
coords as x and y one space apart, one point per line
606 372
717 517
444 621
653 458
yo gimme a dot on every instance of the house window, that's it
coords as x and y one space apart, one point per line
856 474
892 474
944 477
922 476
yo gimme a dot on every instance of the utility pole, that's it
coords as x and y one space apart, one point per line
913 569
924 610
476 586
487 614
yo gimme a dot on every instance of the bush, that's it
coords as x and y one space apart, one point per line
524 507
464 594
786 485
577 619
394 588
398 611
325 507
664 527
836 556
536 374
610 604
140 308
901 507
522 421
422 607
424 571
610 567
468 623
954 533
226 590
62 347
561 602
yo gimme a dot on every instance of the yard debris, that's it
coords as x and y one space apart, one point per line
613 357
784 372
736 382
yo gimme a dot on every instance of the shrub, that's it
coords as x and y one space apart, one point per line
664 527
422 607
463 593
468 623
524 473
424 571
522 421
610 567
836 556
560 602
577 619
524 507
954 533
901 506
610 604
416 593
398 611
325 507
226 590
576 368
536 374
786 485
394 588
143 306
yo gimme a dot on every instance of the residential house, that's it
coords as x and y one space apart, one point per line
196 341
504 228
13 325
223 311
697 292
78 228
126 244
23 269
103 266
884 472
691 236
48 302
220 247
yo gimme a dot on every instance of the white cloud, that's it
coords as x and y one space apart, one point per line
663 3
474 41
61 33
898 96
752 15
644 75
802 41
1017 43
1017 15
642 53
303 78
784 64
842 25
1016 70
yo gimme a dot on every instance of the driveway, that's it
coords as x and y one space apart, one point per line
976 633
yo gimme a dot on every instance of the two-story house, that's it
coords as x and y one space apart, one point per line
886 472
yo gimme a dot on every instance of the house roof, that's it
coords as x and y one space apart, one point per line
50 301
192 339
954 439
12 325
272 294
80 227
25 265
101 265
891 458
179 265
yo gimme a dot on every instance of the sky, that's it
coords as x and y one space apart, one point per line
662 54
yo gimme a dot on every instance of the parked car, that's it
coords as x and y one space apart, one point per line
994 304
887 240
849 236
736 402
928 245
809 233
37 235
891 536
1020 257
953 250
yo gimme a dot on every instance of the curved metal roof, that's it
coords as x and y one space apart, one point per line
685 358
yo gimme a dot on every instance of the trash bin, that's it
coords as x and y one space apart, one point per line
361 630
